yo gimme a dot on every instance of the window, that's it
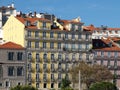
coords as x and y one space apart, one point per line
116 54
73 46
66 45
45 56
36 34
66 35
19 56
80 57
44 34
87 46
59 85
10 71
102 54
37 85
79 36
51 35
37 77
45 85
52 56
52 76
73 36
79 46
66 66
44 44
66 56
59 56
73 56
29 44
37 56
29 77
52 85
44 66
29 56
10 55
29 34
52 45
59 45
37 67
109 54
19 71
36 44
52 66
59 66
115 64
59 35
59 76
44 77
44 24
87 36
29 66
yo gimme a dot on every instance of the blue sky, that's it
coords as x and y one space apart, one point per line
96 12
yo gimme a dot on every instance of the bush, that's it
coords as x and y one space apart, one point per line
23 88
103 86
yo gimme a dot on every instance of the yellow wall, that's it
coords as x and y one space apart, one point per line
13 31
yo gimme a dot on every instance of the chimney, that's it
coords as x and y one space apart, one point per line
12 5
35 14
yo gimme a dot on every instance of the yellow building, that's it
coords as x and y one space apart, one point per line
51 52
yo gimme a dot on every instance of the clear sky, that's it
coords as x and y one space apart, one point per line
96 12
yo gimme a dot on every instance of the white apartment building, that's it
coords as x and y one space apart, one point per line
103 32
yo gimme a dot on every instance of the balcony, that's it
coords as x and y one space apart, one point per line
47 70
53 60
38 69
53 70
32 60
38 80
46 60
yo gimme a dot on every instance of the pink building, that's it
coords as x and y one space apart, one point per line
107 53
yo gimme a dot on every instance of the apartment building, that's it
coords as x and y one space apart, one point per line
107 53
5 12
103 31
12 65
53 48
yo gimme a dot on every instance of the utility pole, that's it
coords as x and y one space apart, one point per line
79 80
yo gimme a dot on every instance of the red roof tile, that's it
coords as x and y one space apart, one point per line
92 28
11 45
113 46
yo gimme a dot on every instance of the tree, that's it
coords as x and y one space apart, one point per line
90 73
103 86
23 88
65 84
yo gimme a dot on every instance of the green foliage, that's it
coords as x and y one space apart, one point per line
103 86
65 85
90 73
23 88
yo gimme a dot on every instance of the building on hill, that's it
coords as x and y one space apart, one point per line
107 53
12 65
5 12
52 48
103 32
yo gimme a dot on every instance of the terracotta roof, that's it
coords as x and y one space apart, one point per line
11 45
93 28
32 20
108 45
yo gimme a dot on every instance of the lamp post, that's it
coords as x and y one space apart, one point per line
80 80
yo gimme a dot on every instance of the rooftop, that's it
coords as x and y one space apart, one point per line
11 45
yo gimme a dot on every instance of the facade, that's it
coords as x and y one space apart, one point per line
51 52
12 65
103 32
5 12
107 53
